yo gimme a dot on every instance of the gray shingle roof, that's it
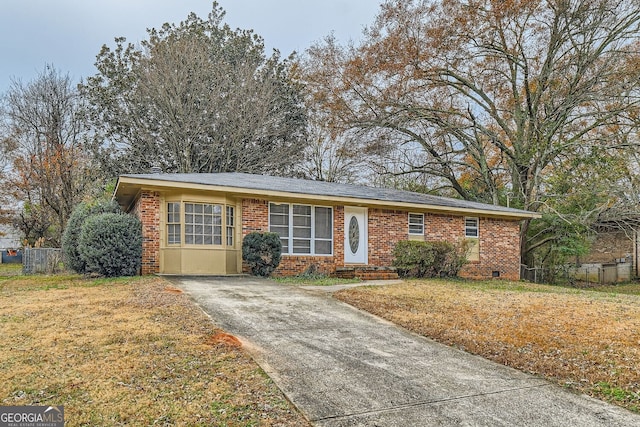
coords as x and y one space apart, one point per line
321 188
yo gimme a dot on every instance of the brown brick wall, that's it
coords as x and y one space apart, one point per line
147 208
255 217
499 240
386 229
499 251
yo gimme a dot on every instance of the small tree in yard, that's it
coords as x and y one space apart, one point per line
110 244
262 252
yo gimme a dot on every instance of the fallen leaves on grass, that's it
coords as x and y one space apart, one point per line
127 351
584 340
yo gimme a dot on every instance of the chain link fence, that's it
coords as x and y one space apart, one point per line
42 260
586 274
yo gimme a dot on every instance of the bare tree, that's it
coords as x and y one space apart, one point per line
497 94
197 97
44 135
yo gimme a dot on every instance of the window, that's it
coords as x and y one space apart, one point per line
323 231
173 223
230 221
202 224
279 223
303 229
416 223
471 227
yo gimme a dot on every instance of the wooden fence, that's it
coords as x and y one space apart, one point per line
42 260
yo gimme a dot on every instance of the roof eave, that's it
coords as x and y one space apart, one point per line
278 194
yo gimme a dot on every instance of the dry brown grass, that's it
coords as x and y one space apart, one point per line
127 351
586 340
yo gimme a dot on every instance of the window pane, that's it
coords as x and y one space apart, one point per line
323 247
230 218
323 223
279 220
301 246
279 209
471 227
282 231
173 233
302 232
302 210
188 207
230 229
416 223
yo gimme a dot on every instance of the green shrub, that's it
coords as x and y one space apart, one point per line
72 258
110 244
262 252
428 259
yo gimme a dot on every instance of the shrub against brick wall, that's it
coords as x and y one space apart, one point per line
428 259
72 258
261 252
110 244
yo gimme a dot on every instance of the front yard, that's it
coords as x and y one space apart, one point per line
126 351
586 340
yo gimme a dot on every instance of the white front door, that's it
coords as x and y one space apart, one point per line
355 235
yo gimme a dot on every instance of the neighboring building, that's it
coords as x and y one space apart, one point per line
194 224
9 237
613 249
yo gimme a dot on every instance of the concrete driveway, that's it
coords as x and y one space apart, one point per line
343 367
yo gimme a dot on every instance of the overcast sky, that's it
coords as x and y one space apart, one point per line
69 33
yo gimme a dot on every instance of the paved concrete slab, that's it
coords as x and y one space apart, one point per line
343 367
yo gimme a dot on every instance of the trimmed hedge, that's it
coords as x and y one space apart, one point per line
71 234
110 244
262 252
428 259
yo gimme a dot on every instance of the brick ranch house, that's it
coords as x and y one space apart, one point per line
193 224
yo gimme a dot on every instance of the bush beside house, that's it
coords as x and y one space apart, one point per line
100 239
110 244
71 235
262 252
428 259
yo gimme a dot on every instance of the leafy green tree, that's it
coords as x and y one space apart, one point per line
196 97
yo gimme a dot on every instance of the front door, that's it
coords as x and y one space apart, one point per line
355 235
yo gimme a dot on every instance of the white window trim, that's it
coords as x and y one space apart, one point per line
477 227
410 223
313 239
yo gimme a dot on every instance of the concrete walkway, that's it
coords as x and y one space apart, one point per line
343 367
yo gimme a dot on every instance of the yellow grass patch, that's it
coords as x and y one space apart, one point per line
586 340
127 351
